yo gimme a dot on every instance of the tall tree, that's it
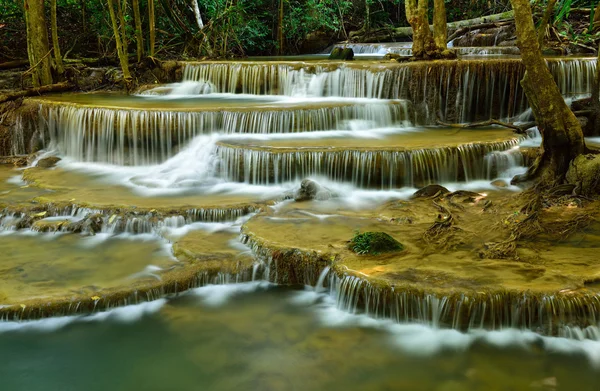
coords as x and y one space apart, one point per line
60 68
37 42
121 51
426 44
596 24
562 138
197 14
416 13
440 25
139 39
152 26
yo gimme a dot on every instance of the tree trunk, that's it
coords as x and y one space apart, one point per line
440 29
423 44
562 138
544 23
37 42
367 24
121 11
123 57
152 26
280 29
198 15
60 67
139 38
596 25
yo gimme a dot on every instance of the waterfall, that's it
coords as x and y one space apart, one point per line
462 91
137 137
547 314
364 168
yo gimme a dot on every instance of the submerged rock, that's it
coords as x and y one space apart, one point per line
48 162
431 191
91 224
311 190
374 243
499 183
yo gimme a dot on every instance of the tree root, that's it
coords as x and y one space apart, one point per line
443 234
520 129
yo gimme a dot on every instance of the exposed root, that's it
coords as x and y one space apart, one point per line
520 129
443 234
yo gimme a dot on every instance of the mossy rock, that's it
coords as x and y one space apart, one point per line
339 53
374 243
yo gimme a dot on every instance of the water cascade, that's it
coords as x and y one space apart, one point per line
364 168
137 137
463 91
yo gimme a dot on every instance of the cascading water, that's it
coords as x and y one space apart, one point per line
368 169
461 91
140 137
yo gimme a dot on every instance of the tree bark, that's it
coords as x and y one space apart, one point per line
440 29
596 22
152 26
60 67
198 15
543 27
416 12
121 11
123 57
562 138
37 42
139 38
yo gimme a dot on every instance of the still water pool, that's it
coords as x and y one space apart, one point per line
257 336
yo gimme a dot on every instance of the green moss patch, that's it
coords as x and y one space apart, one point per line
374 243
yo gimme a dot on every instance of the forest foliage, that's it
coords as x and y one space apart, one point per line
231 27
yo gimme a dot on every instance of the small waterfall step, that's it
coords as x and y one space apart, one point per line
405 49
131 207
142 130
468 90
451 287
50 275
409 158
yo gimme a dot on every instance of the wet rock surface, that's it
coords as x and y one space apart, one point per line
310 190
48 162
431 191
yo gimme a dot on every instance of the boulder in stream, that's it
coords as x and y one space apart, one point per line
48 162
311 190
500 183
340 53
431 191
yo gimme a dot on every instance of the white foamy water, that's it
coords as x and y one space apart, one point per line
127 314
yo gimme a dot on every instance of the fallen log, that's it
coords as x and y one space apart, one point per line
521 129
384 34
464 30
14 64
58 87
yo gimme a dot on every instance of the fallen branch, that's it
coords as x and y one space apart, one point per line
521 129
467 29
58 87
14 64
